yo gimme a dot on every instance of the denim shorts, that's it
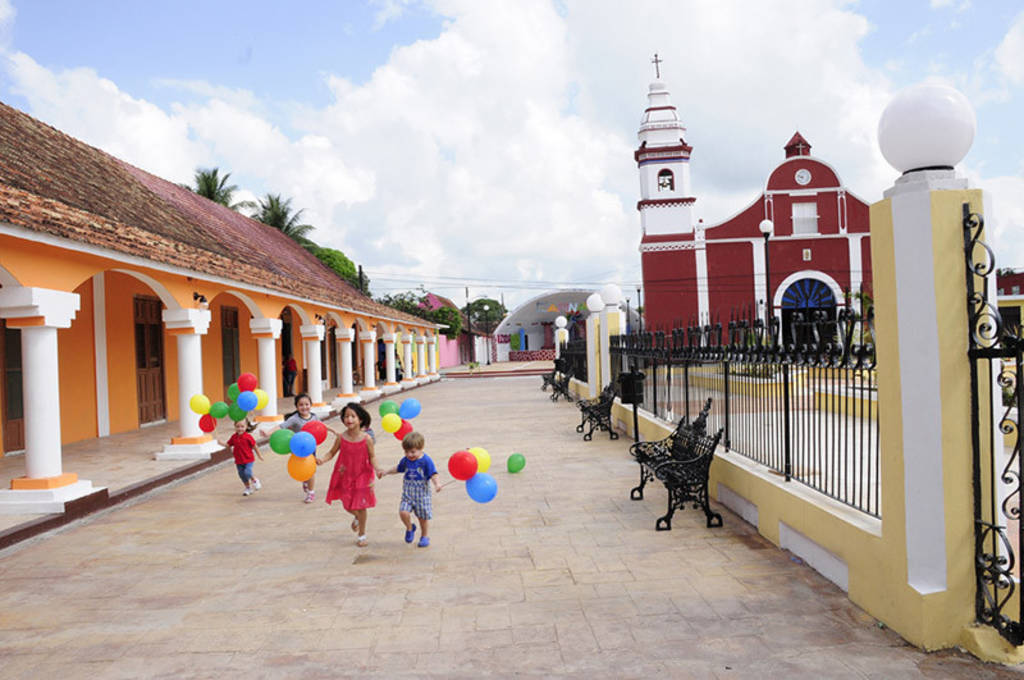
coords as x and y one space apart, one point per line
244 471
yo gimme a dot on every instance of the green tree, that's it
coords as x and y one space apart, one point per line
415 303
339 262
484 319
210 184
277 213
451 317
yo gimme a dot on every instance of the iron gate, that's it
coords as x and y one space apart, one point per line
995 351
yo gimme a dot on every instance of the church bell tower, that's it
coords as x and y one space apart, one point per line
663 159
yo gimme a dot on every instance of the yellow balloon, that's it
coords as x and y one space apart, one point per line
262 398
301 469
392 422
200 404
483 459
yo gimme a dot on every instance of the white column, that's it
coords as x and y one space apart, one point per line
612 321
188 326
38 313
267 332
421 360
561 337
408 379
345 336
593 355
390 385
856 275
700 255
369 340
432 357
312 336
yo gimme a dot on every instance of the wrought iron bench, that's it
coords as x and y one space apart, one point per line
586 406
686 481
599 414
677 445
560 388
550 378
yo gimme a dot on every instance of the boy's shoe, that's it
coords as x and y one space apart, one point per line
309 496
410 534
247 492
424 541
305 487
256 486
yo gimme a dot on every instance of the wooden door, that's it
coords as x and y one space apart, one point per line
12 406
332 349
149 359
229 345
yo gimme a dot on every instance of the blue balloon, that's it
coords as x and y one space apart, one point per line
302 444
247 400
481 487
409 409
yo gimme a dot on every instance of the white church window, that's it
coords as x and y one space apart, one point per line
805 218
666 181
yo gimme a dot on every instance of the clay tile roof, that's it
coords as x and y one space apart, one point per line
55 184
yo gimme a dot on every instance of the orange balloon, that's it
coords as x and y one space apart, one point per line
301 469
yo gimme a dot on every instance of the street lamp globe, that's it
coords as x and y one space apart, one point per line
766 227
611 294
928 126
595 303
561 322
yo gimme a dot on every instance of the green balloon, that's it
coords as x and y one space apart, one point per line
280 441
387 407
233 392
218 409
236 413
516 462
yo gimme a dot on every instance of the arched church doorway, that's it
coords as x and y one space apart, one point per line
805 297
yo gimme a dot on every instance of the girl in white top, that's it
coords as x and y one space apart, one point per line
295 421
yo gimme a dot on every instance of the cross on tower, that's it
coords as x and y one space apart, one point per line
657 64
800 146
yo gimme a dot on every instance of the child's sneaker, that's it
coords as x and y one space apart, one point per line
247 492
310 496
305 487
424 541
256 486
410 534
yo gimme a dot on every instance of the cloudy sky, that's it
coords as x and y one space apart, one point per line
461 143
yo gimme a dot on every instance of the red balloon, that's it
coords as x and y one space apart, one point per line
405 429
317 429
462 465
207 423
247 382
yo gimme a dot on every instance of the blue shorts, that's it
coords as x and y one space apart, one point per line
244 471
416 498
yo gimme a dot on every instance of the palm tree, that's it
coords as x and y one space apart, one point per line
277 213
210 184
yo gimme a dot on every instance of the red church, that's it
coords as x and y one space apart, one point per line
806 235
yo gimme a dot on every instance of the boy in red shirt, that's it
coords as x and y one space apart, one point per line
243 446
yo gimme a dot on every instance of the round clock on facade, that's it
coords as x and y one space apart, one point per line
803 176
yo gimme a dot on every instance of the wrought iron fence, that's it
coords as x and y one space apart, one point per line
575 353
996 351
804 405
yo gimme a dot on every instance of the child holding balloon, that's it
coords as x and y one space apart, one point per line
243 446
295 421
354 474
420 472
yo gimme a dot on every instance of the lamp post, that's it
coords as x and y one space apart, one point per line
767 227
487 329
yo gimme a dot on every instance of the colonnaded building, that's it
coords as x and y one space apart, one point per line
817 248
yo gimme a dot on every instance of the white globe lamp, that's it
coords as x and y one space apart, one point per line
595 303
611 294
766 227
929 126
560 322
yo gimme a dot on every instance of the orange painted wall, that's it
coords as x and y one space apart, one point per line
76 351
213 359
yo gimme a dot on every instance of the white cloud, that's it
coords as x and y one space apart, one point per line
84 105
1009 55
7 14
936 4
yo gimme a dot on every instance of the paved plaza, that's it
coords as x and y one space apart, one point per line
561 575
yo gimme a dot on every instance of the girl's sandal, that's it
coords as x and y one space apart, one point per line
362 542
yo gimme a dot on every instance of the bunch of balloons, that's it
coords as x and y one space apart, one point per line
471 467
244 395
395 419
301 445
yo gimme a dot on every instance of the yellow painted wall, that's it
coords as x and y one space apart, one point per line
77 370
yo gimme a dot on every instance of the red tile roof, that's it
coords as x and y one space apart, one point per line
55 184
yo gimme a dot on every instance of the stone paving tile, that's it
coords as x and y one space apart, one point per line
560 576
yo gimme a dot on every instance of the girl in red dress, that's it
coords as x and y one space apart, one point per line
356 469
